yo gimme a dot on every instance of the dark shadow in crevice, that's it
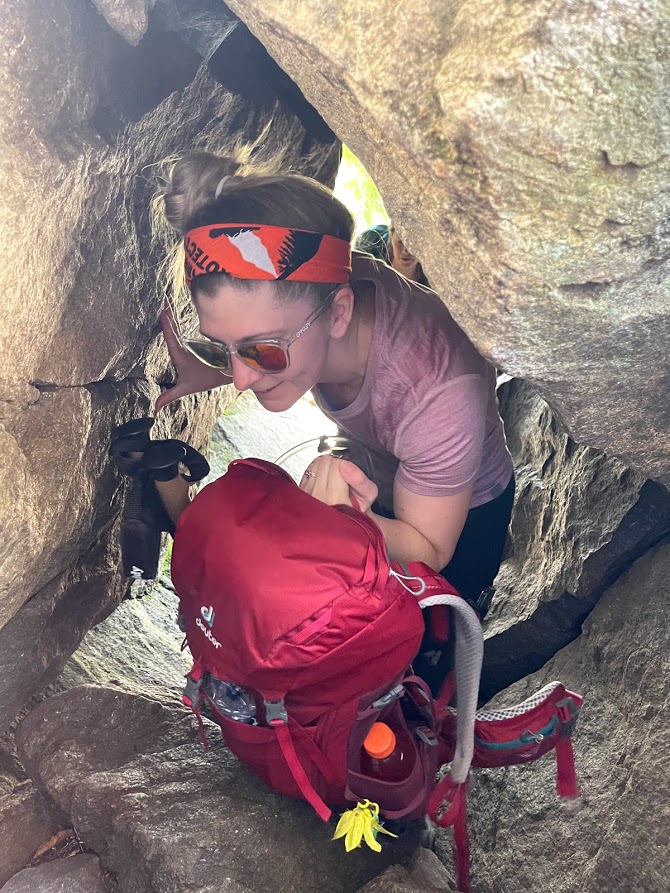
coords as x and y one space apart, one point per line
143 76
526 646
243 66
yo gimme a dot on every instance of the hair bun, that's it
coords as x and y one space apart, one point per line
221 184
192 183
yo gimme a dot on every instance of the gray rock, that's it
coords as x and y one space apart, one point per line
580 519
129 18
429 873
165 816
137 648
95 729
397 879
38 640
27 819
522 151
77 874
11 772
87 116
616 837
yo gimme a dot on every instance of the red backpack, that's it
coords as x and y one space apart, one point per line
302 635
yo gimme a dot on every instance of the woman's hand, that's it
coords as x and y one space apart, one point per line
339 482
192 375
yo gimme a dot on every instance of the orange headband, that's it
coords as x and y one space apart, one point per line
255 251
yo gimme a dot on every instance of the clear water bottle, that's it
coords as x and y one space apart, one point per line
230 700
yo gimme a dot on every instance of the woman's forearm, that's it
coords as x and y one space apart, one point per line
174 496
405 543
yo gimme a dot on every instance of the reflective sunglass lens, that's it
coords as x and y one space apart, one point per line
210 354
264 357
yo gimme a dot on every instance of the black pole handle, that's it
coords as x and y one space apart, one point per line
163 458
160 458
131 437
196 463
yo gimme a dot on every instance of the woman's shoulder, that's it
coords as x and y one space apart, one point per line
415 337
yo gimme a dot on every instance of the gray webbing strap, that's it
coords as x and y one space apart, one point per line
469 654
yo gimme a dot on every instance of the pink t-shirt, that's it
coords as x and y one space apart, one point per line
427 410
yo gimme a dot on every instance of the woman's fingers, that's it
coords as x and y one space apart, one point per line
192 375
335 481
324 482
169 328
365 490
170 395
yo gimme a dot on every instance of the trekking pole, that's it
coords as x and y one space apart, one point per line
144 516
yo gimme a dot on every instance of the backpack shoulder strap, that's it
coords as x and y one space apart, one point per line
446 804
432 589
469 655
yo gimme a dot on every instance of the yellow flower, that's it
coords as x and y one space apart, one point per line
361 823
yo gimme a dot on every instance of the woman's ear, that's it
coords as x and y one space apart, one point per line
341 312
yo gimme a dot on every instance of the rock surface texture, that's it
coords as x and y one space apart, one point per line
166 816
27 819
137 648
580 519
78 874
616 837
524 152
397 879
85 117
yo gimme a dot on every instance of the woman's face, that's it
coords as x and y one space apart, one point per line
403 261
232 314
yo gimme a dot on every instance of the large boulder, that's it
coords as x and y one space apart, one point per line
86 117
81 874
524 152
166 816
138 648
616 838
580 519
397 879
27 819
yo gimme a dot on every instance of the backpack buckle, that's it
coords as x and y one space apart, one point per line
192 692
568 711
389 697
426 735
275 713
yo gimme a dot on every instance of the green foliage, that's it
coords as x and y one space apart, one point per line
166 557
356 189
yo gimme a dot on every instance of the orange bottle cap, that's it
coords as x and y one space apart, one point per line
380 741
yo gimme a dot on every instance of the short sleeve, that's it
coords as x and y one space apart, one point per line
439 444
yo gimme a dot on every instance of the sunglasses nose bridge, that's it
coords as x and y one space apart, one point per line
243 373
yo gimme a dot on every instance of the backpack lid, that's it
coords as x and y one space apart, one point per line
269 570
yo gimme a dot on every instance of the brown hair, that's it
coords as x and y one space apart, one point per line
203 188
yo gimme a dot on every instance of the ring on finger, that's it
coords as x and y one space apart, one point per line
309 474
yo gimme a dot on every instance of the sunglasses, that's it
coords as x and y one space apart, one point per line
268 355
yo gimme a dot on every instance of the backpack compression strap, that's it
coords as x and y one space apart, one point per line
469 653
277 719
